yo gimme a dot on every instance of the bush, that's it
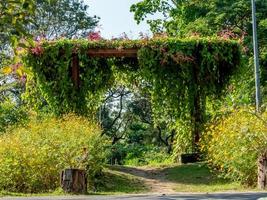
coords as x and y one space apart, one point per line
135 154
11 115
234 143
32 157
138 155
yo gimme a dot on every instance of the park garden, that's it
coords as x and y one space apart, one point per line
126 111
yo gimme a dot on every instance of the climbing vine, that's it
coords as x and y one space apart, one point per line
178 73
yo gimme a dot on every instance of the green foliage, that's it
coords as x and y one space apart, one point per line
135 154
226 18
54 82
178 74
57 18
174 69
183 139
115 181
200 17
32 157
41 18
198 178
11 114
153 156
14 19
235 141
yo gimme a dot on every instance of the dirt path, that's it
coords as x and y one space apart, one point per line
154 178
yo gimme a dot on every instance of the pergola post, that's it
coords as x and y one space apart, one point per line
75 71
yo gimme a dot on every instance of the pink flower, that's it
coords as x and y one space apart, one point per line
23 79
40 38
37 50
228 34
94 36
16 66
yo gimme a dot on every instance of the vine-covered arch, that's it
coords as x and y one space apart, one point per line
73 75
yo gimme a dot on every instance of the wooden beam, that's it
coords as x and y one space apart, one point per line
108 53
75 71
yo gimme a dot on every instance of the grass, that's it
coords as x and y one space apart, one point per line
116 182
57 192
184 178
198 178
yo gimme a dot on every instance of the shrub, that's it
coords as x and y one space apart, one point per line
11 115
234 143
135 154
138 155
32 157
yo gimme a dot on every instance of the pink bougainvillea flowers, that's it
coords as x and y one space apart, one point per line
94 36
37 50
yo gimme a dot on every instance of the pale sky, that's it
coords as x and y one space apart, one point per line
116 18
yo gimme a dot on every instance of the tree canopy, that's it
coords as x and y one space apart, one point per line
62 18
200 17
15 16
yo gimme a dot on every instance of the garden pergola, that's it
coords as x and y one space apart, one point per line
73 75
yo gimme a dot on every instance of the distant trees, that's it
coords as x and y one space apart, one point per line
15 16
127 117
62 18
200 17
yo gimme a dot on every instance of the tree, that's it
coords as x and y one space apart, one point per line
62 18
160 125
114 117
197 16
127 117
15 16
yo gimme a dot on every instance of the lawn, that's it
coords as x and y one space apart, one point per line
116 182
199 178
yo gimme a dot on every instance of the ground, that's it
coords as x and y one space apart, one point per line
178 182
153 179
215 196
165 180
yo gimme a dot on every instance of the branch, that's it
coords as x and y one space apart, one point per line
120 111
160 136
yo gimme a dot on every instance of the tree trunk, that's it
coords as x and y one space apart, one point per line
262 169
74 181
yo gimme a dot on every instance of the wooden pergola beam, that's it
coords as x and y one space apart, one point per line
75 71
108 53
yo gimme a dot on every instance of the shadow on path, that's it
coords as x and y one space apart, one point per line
194 174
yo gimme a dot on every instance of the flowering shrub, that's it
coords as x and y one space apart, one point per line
32 157
234 143
94 36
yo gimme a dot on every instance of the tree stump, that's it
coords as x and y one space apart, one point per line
190 158
74 181
262 169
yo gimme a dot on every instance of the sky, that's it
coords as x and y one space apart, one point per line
116 18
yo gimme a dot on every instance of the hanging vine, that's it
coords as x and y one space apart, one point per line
178 73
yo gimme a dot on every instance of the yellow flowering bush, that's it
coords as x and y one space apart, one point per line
234 142
32 157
